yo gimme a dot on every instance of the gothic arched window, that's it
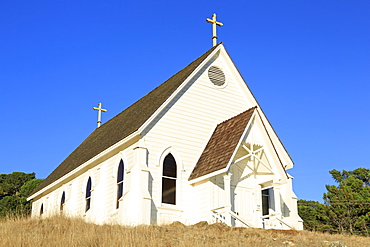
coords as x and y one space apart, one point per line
88 195
62 201
42 209
120 177
169 180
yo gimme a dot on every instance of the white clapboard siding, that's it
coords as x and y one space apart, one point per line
186 126
199 203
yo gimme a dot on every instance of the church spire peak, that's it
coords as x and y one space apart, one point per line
214 25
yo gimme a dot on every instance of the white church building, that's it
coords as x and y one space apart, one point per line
196 148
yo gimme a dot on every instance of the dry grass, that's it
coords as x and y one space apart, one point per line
59 231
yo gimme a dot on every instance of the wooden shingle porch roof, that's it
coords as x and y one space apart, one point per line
123 124
222 144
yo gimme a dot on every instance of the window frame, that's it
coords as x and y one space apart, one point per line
266 206
88 194
169 178
120 183
62 202
41 209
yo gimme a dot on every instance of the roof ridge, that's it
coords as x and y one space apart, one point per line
238 115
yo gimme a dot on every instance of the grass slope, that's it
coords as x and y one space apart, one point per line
58 231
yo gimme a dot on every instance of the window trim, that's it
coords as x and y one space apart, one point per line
268 198
120 183
88 198
176 179
62 202
180 170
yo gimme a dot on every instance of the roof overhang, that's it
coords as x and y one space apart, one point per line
129 140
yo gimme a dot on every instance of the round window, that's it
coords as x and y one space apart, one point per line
216 76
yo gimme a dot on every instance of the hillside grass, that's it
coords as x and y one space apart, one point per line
59 231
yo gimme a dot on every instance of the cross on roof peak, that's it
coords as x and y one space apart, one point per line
99 109
214 25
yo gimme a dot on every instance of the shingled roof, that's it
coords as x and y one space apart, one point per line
124 124
222 145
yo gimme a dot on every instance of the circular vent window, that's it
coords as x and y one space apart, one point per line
216 76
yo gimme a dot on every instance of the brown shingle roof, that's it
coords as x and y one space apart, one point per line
122 125
222 145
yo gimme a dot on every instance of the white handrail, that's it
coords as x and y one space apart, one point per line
237 217
282 221
218 214
222 207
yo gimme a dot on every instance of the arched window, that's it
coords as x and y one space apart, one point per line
42 209
120 177
62 201
169 180
88 194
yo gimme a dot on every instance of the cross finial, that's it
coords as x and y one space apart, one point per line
99 109
214 24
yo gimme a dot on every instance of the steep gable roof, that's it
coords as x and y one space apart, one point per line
124 124
222 145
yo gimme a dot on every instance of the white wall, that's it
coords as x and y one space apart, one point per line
103 199
186 126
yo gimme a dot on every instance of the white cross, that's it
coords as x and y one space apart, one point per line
99 109
214 24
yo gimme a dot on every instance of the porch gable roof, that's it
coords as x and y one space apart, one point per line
222 144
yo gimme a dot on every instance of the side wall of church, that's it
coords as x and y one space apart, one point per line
103 196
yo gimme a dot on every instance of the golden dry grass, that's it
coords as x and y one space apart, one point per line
60 231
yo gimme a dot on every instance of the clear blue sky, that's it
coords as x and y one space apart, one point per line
307 63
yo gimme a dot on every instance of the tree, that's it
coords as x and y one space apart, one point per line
348 203
314 216
362 174
1 192
14 205
29 186
14 190
11 183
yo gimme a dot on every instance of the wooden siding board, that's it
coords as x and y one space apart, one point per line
201 208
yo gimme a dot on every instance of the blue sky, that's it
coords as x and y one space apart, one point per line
306 62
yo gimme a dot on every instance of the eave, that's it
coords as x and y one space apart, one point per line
109 152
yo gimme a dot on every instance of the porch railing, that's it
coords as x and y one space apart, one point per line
219 215
240 219
268 220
